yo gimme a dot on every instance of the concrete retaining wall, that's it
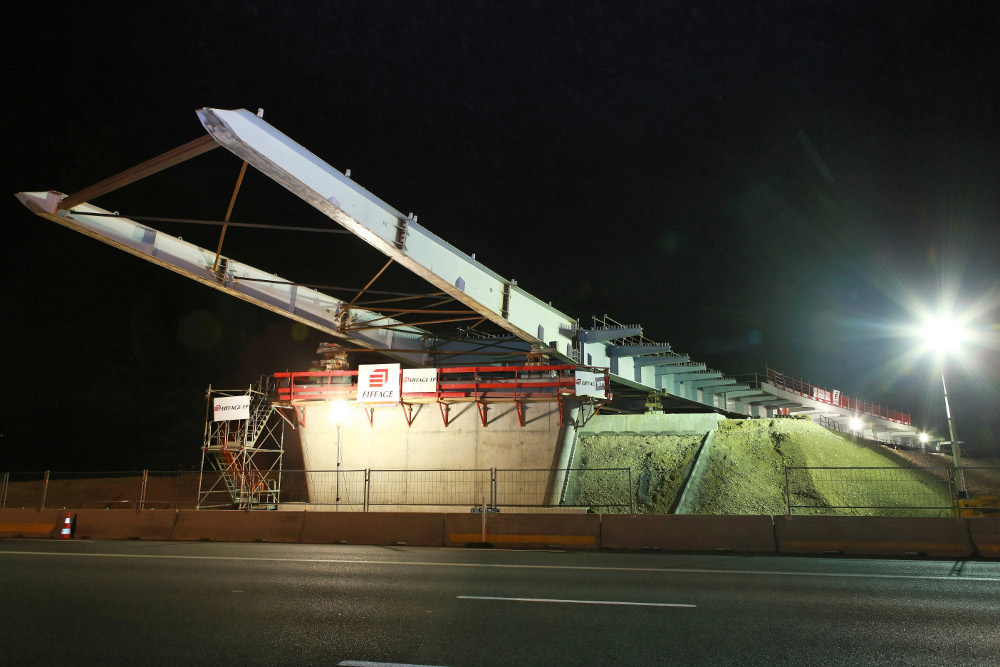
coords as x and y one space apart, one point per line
873 536
31 523
225 526
860 536
744 534
427 444
985 534
409 528
653 423
573 531
125 524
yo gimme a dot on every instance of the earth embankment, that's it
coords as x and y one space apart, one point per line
745 471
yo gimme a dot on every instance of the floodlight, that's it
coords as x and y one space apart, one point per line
856 424
337 414
943 334
924 438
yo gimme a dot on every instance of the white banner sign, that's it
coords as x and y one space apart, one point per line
589 384
231 407
821 394
419 380
836 397
378 383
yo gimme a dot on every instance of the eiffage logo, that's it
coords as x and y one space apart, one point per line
378 377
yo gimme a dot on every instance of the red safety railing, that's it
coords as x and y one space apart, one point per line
835 398
475 382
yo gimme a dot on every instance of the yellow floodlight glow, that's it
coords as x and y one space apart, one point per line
924 438
856 424
338 412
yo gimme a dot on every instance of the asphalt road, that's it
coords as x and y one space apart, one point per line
79 602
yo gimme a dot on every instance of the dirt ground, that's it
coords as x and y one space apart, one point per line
746 471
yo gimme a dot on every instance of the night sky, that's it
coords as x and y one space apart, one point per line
780 184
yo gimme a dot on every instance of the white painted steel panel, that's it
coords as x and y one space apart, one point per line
308 306
529 313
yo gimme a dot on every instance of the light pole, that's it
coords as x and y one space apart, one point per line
336 415
959 478
943 335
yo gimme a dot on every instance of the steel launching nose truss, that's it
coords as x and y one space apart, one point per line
638 366
458 277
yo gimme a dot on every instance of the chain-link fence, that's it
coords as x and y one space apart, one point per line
600 490
886 491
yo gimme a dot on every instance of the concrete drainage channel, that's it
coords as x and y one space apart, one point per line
685 502
854 536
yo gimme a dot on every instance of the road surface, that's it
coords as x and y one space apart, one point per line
213 603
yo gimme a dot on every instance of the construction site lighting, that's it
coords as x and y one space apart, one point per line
337 413
942 334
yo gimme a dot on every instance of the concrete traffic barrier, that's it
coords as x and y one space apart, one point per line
572 531
31 523
125 524
873 535
238 526
985 534
409 528
685 532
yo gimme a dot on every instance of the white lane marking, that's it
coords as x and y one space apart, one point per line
582 568
614 602
364 663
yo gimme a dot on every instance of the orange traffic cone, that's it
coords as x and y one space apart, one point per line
67 528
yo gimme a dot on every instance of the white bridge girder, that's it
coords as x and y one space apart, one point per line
397 236
278 295
382 226
634 362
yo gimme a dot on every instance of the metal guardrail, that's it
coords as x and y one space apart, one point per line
835 398
358 490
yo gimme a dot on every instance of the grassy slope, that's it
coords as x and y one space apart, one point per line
746 473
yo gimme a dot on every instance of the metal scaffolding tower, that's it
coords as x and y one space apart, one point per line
244 456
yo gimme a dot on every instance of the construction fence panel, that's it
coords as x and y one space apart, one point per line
23 489
602 490
877 491
72 490
173 489
94 490
526 488
464 488
321 487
